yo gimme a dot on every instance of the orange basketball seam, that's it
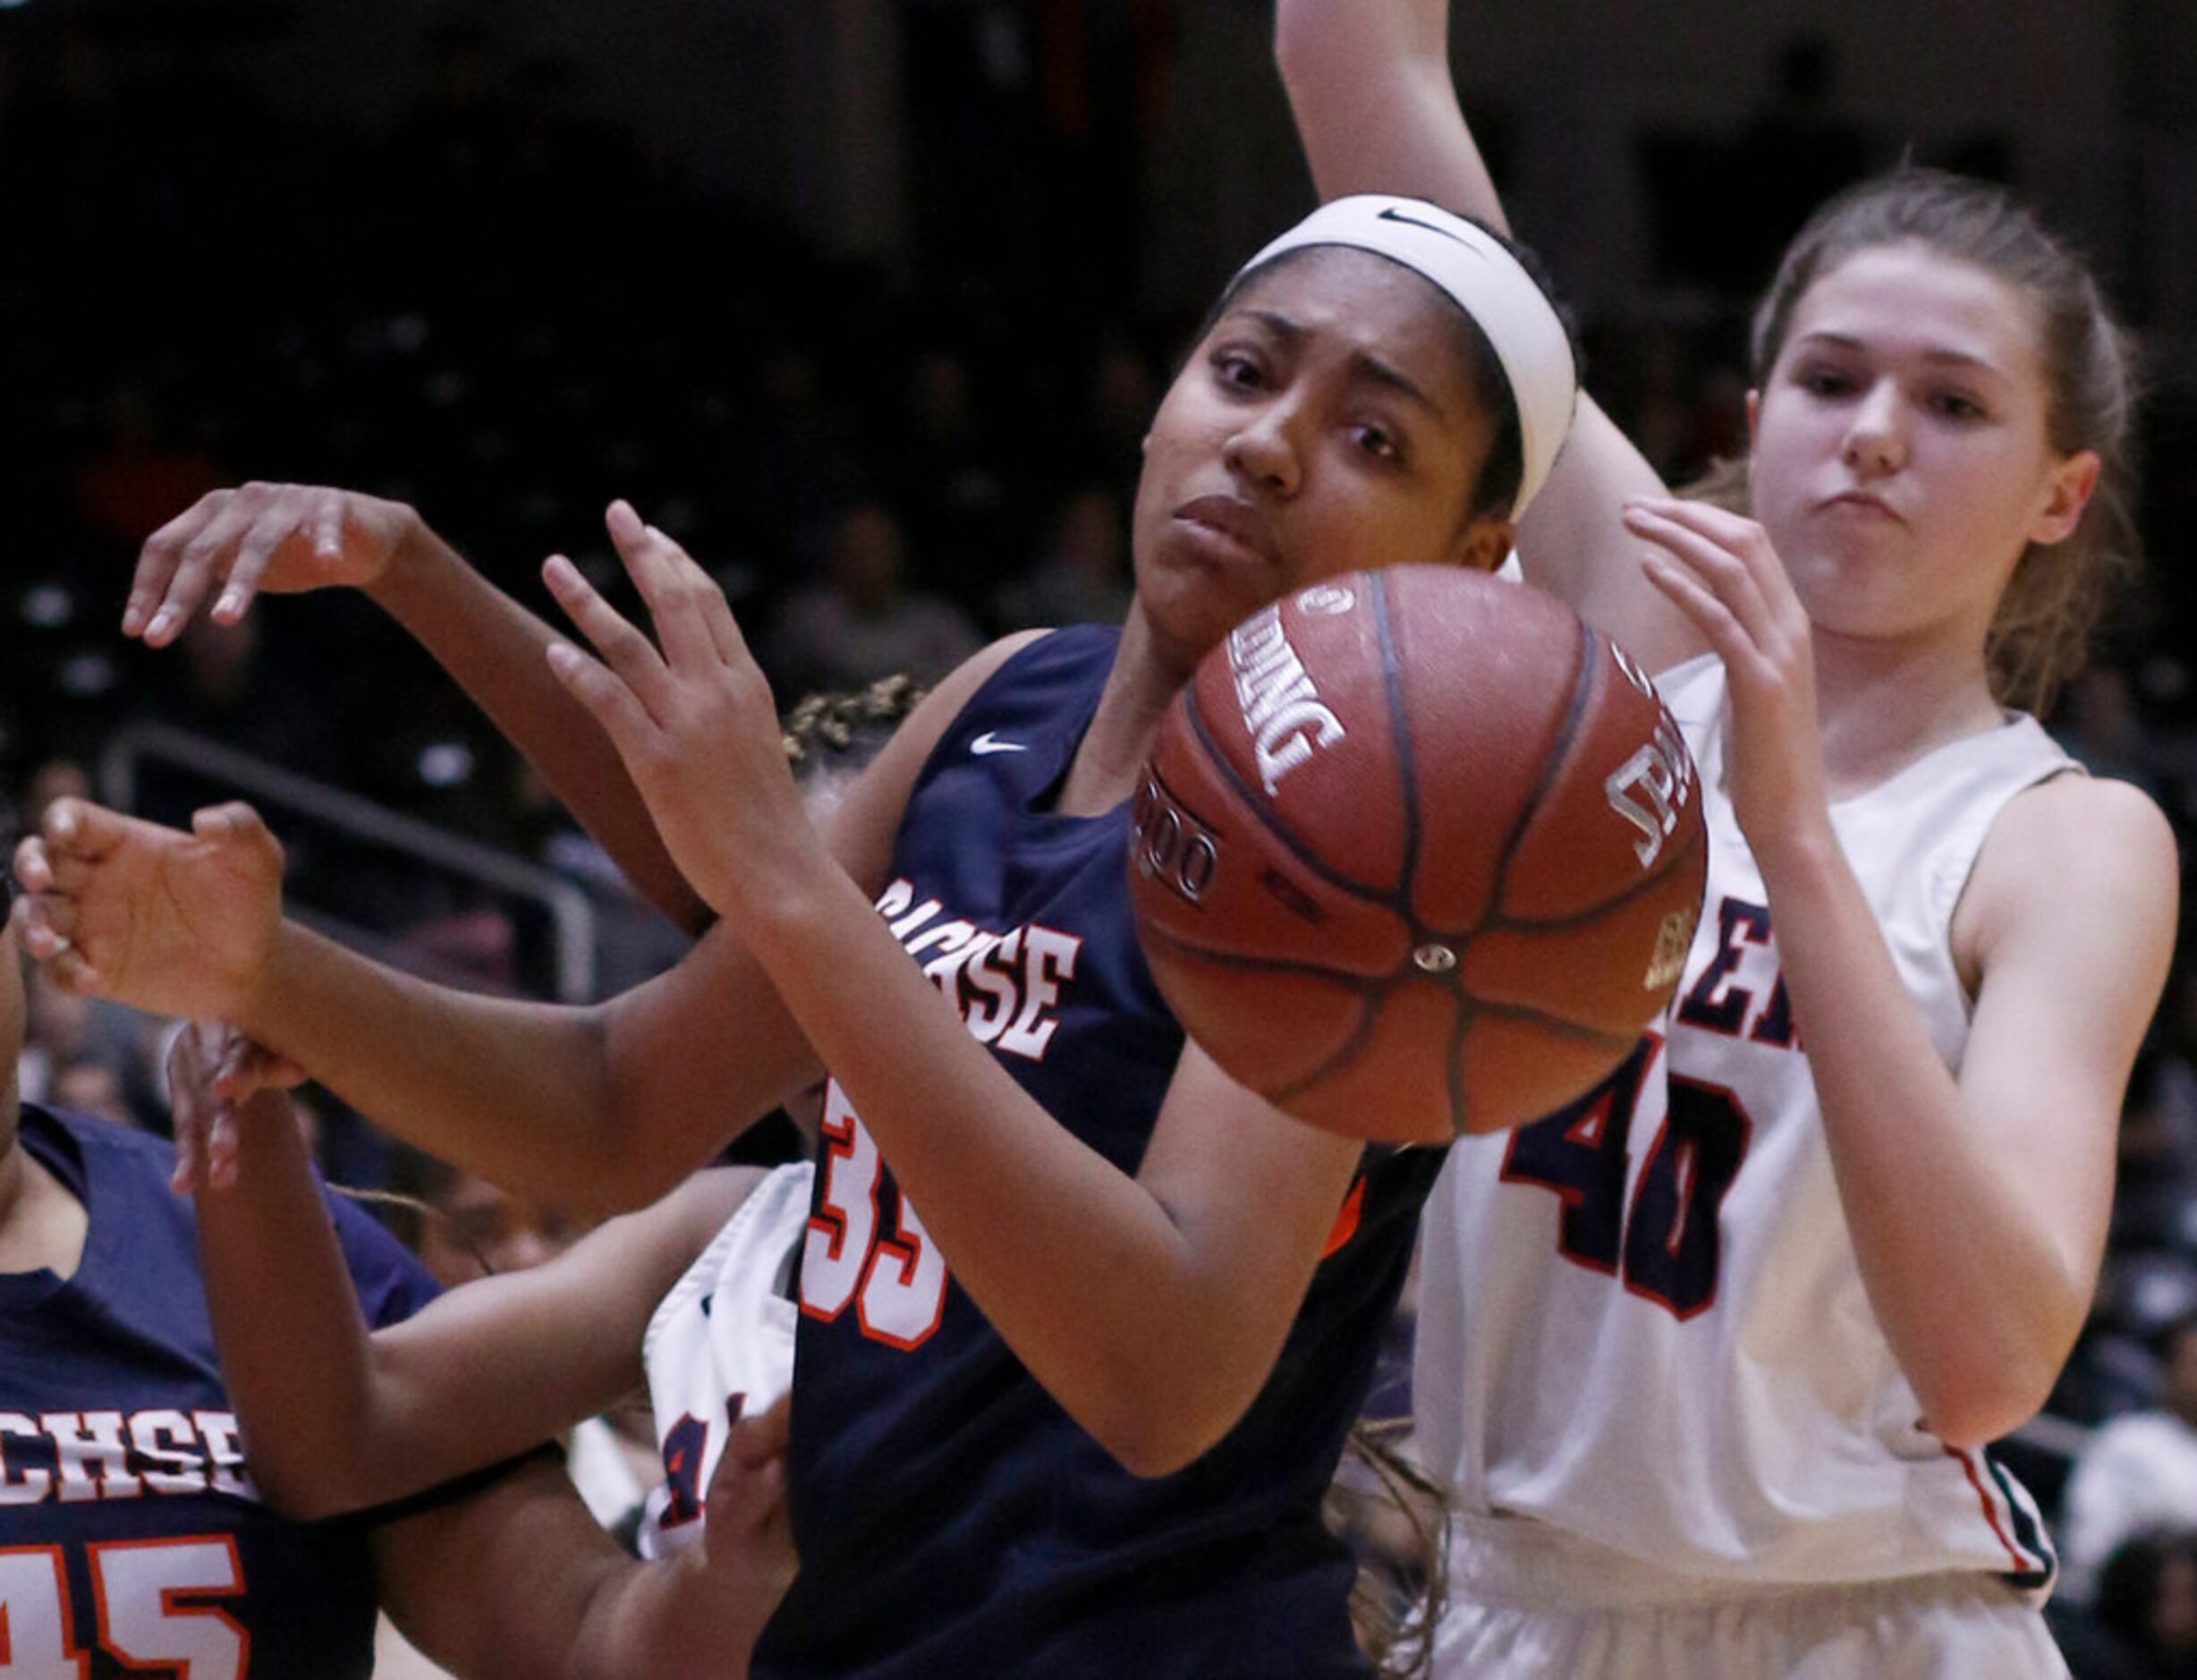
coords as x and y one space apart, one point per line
1499 922
1161 782
1385 898
1468 1012
1224 958
1400 739
1554 762
1368 1010
1562 1025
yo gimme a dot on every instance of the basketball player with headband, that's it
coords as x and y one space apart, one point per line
1081 1331
1709 1362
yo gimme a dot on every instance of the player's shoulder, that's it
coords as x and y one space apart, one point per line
935 713
975 673
115 1140
129 1164
392 1282
2069 828
2072 851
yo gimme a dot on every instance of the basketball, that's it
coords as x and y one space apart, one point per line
1417 854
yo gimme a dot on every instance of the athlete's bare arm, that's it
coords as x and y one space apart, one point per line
232 545
1980 1223
1151 1308
1370 84
1978 1207
518 1579
603 1108
341 1417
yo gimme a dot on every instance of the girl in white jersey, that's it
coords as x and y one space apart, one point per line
1707 1363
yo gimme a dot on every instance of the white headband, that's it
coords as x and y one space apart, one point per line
1489 284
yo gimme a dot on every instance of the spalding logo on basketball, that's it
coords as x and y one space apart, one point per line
1417 854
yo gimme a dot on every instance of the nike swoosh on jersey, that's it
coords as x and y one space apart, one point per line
988 743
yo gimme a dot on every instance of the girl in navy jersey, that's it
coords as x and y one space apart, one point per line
1050 1240
1717 1405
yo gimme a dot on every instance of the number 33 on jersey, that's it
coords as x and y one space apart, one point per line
864 1248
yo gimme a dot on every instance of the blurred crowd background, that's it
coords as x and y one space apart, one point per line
868 303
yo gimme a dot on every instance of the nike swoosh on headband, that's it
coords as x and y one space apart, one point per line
1488 283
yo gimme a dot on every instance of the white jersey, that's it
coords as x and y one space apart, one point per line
724 1332
1643 1322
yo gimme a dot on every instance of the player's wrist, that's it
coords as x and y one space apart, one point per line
414 553
779 895
263 992
1801 856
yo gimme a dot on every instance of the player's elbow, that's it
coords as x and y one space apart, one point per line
1976 1408
1989 1374
1978 1425
308 1493
1157 1430
1150 1451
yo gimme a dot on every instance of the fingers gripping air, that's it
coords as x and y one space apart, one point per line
1720 570
175 923
280 538
690 713
211 1070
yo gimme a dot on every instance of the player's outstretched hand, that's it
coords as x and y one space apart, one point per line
212 1070
283 538
1720 570
177 923
690 713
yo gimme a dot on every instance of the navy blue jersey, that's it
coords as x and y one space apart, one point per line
952 1519
130 1536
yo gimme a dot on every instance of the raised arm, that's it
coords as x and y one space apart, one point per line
1977 1204
1370 85
232 545
603 1108
340 1417
1156 1327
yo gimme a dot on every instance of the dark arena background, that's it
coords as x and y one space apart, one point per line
868 303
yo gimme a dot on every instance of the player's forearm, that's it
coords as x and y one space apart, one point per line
1980 1302
494 647
518 1092
672 1617
1108 1298
286 1323
517 1579
493 1367
1376 110
1370 86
